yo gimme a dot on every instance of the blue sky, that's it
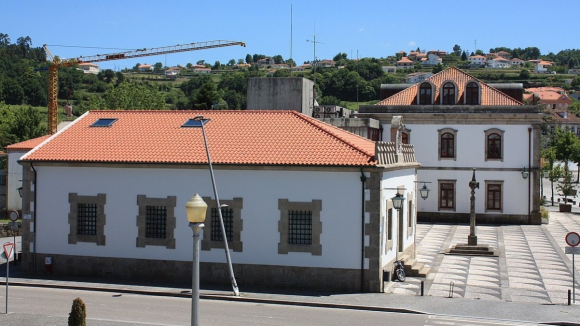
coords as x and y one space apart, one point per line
373 28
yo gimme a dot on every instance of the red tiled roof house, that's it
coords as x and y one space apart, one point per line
110 199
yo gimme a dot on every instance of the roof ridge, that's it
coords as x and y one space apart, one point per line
327 127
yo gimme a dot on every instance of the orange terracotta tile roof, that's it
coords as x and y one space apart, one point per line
404 59
27 144
489 95
234 137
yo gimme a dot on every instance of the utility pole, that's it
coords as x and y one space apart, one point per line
314 67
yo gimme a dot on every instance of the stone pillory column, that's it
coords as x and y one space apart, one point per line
472 238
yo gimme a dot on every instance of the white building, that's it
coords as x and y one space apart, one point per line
542 66
498 62
417 77
110 190
477 61
89 68
458 123
145 68
431 60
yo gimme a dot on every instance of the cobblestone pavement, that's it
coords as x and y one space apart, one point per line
532 266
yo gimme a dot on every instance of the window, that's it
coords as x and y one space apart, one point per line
404 137
233 224
472 94
425 94
447 194
87 218
448 94
493 194
103 122
216 230
494 145
156 221
447 144
300 227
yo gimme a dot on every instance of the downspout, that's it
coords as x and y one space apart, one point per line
363 179
531 174
34 219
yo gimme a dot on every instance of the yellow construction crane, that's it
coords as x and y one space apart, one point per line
57 63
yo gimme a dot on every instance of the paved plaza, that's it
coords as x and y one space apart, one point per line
531 267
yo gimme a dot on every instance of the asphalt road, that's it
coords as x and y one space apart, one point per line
49 306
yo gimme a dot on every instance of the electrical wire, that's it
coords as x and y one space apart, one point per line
88 47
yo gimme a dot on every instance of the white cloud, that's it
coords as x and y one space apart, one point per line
412 43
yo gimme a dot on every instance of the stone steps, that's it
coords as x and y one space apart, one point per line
414 268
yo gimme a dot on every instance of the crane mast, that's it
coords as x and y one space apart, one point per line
57 63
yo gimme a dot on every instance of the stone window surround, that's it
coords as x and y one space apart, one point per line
169 241
432 93
478 92
236 244
501 134
439 182
315 206
100 200
410 208
454 133
494 182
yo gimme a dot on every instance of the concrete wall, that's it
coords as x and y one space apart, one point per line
13 200
291 93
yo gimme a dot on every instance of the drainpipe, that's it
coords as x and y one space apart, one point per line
34 219
363 179
530 178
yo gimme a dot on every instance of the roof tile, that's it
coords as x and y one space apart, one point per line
234 137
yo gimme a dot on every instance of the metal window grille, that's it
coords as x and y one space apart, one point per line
300 227
86 219
156 222
216 230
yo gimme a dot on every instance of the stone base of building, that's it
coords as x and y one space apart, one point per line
444 217
126 269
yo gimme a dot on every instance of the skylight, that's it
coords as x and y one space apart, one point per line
104 122
194 123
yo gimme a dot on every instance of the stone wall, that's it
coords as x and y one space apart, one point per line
334 279
7 231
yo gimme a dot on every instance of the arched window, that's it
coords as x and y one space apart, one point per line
472 94
404 138
447 145
448 94
494 146
425 94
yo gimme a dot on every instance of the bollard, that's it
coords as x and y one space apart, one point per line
451 286
422 288
569 297
48 264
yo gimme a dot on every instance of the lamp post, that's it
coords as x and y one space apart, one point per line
472 238
196 209
199 122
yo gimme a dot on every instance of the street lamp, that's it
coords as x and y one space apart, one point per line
398 201
196 209
424 192
525 173
199 122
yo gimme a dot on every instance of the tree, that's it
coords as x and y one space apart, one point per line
340 56
217 65
232 62
131 96
78 313
457 50
479 52
463 56
120 77
200 62
437 68
157 67
240 61
249 58
576 82
282 73
205 97
278 59
525 74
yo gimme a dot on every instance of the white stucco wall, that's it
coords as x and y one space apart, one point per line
395 179
471 154
260 190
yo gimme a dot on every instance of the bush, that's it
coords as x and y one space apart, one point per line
544 212
78 313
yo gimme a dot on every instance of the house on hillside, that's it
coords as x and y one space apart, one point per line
405 63
172 72
145 68
458 123
498 62
542 66
416 77
89 68
556 102
477 61
431 60
111 188
517 62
